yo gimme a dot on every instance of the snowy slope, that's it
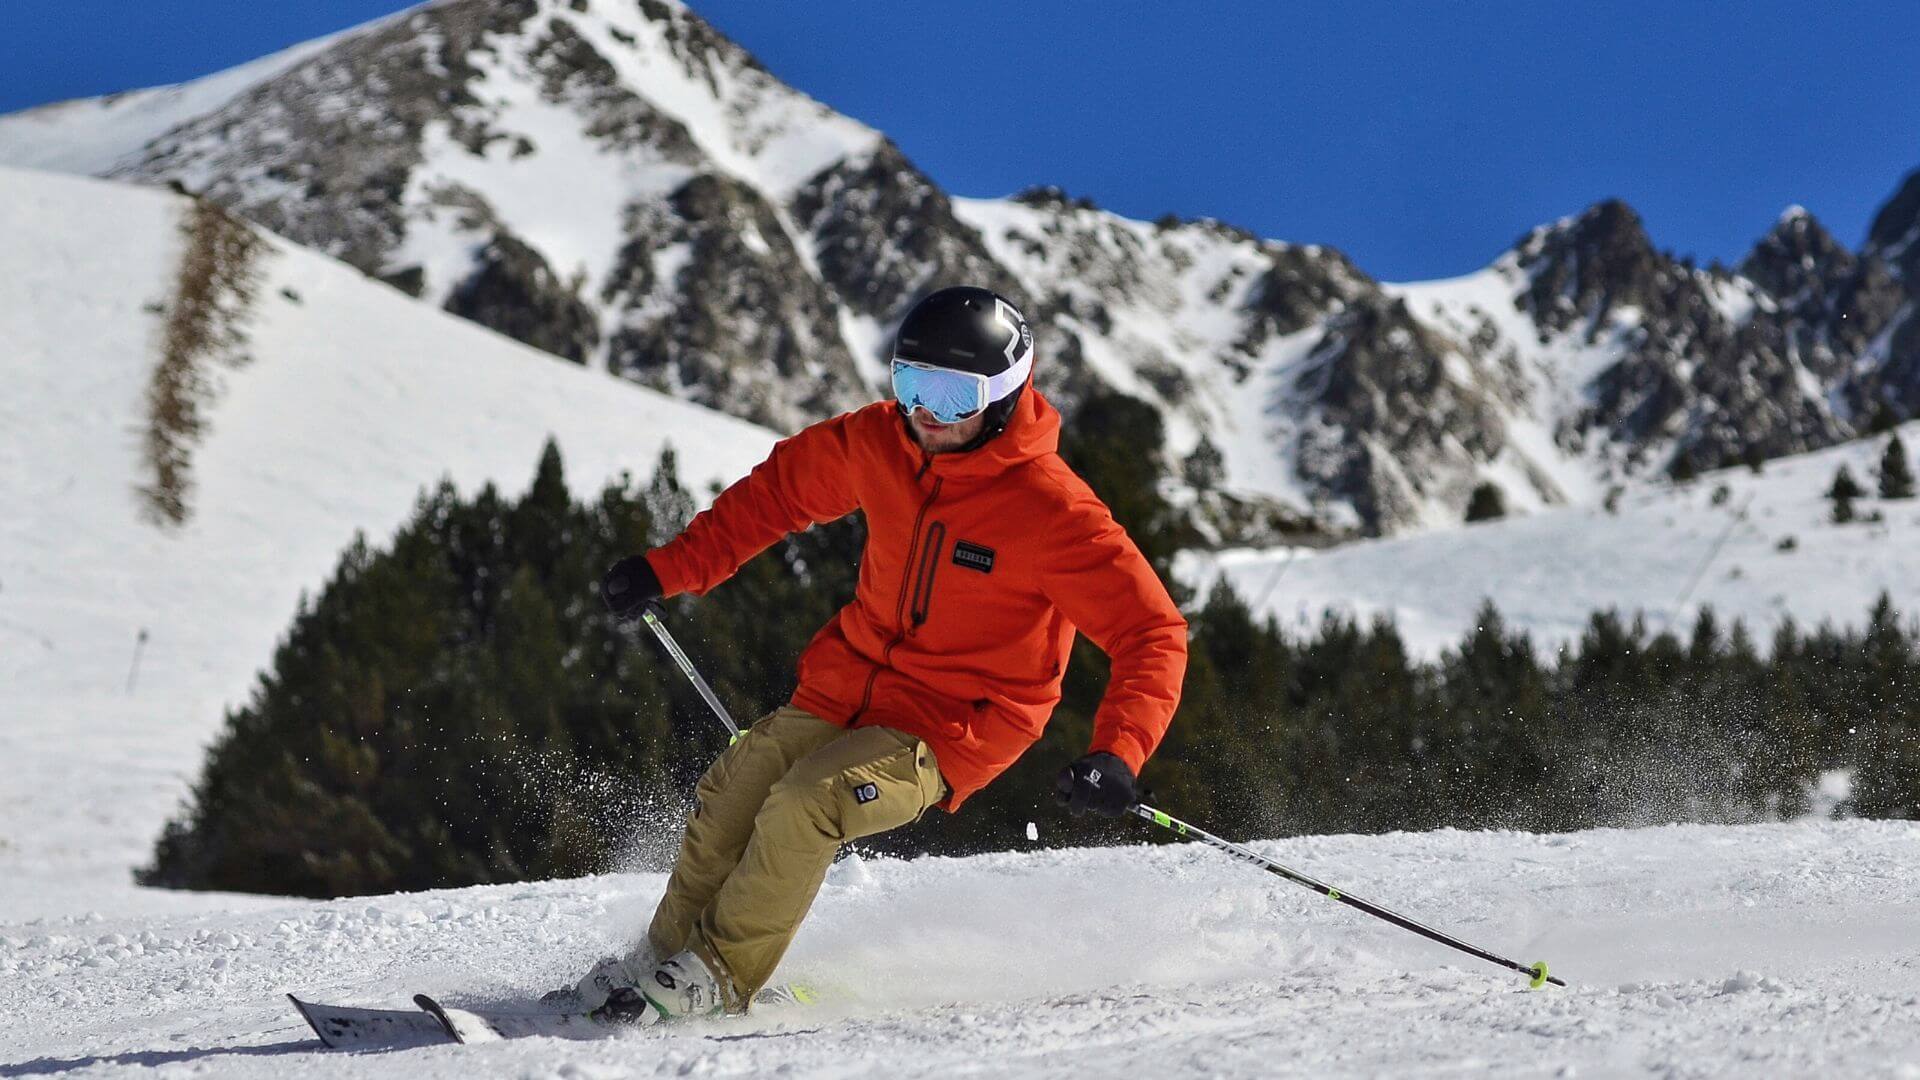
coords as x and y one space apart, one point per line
1548 572
1777 950
356 398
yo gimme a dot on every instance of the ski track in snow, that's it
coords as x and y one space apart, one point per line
1692 950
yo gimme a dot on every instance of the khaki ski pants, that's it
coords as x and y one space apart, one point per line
771 813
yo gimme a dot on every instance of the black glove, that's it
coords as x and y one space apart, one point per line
630 586
1099 782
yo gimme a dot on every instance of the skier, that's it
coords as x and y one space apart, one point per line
984 553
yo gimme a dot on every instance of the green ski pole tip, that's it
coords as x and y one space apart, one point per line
1539 970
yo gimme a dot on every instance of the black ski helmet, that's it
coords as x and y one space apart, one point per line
967 328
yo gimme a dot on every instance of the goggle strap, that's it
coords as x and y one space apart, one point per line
999 386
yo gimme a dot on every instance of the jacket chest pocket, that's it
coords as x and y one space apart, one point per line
926 568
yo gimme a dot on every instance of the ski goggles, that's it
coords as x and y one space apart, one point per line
951 396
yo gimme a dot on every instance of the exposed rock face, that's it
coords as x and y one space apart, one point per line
740 325
617 183
884 235
1394 428
514 291
1300 285
1895 234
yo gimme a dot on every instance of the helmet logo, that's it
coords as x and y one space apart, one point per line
1019 338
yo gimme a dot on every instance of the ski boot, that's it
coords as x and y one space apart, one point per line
679 987
610 974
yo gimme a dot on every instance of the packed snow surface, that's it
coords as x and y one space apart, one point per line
1756 547
1777 950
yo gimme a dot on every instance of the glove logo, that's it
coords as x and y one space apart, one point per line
866 793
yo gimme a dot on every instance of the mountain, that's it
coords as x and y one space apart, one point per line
620 185
1757 547
351 399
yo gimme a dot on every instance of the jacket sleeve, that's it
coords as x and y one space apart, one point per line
806 480
1103 585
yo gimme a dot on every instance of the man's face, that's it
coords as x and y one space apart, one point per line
937 438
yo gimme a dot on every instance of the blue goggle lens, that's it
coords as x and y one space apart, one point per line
950 396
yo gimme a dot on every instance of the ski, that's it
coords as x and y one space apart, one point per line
345 1027
493 1024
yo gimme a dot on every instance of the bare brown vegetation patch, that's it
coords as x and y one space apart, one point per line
212 293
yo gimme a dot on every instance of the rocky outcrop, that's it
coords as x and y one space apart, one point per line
514 291
1392 429
884 235
739 325
1894 236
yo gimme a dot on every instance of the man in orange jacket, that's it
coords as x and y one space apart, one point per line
984 555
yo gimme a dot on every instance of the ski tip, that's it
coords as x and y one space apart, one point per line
432 1008
326 1040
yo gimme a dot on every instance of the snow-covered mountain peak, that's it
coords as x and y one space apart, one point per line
1797 258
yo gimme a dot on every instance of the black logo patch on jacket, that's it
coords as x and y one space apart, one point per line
973 556
866 793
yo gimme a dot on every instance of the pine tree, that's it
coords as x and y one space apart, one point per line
1896 475
1844 490
1487 503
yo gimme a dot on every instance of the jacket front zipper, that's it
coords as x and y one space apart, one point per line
908 584
923 583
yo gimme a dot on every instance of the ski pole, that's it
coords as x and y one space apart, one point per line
652 617
1537 972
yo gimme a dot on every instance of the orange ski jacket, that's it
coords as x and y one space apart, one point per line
978 569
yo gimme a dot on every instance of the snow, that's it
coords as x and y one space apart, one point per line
356 399
1690 950
750 124
567 196
1549 571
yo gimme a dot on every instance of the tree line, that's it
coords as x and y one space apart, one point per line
455 707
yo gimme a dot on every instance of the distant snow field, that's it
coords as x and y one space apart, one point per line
1753 547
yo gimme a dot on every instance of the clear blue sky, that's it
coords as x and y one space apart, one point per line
1421 138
